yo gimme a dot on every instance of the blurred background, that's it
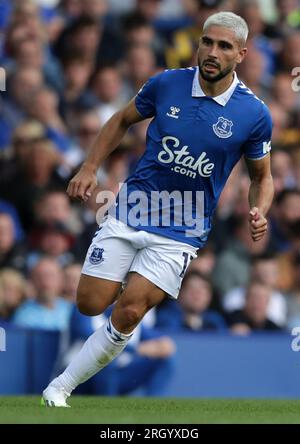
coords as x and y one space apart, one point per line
67 66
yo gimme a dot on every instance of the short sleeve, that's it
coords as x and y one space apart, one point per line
259 143
145 100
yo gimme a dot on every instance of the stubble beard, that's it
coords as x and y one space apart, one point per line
208 78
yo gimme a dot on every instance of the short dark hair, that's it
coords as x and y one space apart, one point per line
74 56
83 22
294 229
287 192
209 4
268 255
197 274
134 21
296 260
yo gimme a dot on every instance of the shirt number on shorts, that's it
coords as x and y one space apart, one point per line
185 264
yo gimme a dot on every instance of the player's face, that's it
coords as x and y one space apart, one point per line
219 52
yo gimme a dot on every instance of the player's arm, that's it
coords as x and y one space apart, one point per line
85 181
260 196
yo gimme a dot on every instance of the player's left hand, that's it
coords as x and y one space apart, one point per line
258 224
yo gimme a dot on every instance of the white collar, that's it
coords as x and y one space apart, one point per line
223 98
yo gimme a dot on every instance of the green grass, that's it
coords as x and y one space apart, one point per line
97 410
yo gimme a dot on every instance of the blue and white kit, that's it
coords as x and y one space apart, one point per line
193 142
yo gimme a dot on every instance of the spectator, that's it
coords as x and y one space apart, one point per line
185 41
21 85
281 122
289 15
290 57
229 206
70 9
251 72
293 297
53 240
77 70
27 14
26 134
138 30
12 292
284 94
107 87
282 171
86 130
94 9
37 171
97 42
264 269
6 207
12 254
250 10
139 66
149 9
253 317
116 170
288 19
30 52
286 211
70 281
232 267
54 206
288 258
44 107
48 311
192 313
81 36
205 261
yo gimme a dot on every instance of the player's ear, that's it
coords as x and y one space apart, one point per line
241 55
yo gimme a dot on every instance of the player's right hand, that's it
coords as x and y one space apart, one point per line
82 185
258 224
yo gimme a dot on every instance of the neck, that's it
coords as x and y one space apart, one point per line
214 89
46 301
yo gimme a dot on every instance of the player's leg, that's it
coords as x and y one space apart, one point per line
109 340
164 263
94 294
139 296
155 273
106 266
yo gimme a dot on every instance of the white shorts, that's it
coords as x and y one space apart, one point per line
117 249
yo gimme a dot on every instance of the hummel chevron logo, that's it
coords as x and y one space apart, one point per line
174 111
113 335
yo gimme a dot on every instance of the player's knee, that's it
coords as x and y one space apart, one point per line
131 315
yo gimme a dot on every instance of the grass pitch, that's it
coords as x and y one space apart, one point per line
99 410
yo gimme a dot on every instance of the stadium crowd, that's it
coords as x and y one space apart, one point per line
67 66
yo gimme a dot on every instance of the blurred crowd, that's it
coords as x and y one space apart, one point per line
68 66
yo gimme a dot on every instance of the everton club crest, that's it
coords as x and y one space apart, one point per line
223 128
97 256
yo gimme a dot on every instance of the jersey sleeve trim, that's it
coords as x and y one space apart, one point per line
257 158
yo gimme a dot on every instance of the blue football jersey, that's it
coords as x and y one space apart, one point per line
193 142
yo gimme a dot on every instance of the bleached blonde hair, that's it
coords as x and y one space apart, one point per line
231 21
